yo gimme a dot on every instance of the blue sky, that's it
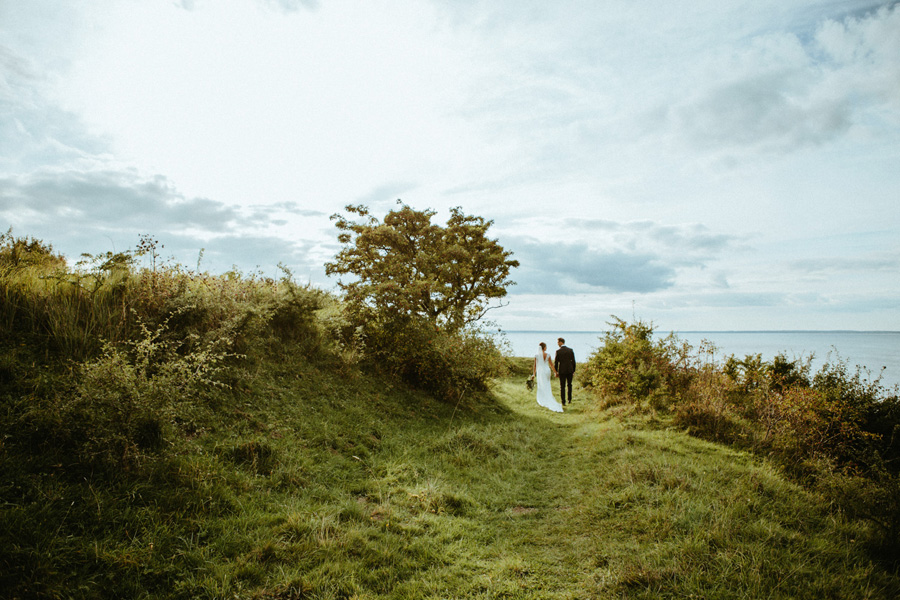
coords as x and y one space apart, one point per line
707 165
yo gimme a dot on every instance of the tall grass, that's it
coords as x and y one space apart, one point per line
110 299
213 442
834 430
108 371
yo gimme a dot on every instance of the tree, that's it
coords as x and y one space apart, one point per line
407 267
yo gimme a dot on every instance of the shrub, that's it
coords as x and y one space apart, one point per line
873 498
632 365
107 297
448 365
837 428
106 360
126 399
17 253
863 415
714 421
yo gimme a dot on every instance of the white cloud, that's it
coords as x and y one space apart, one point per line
781 94
717 161
244 104
636 257
90 211
294 5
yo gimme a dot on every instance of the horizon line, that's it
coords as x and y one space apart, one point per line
713 331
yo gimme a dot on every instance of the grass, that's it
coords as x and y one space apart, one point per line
316 481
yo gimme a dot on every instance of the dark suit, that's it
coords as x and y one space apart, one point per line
565 367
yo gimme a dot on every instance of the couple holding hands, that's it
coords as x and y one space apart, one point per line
562 366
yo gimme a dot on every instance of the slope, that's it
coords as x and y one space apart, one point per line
317 481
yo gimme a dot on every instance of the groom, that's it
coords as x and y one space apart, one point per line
565 366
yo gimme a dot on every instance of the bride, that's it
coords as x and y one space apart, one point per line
543 366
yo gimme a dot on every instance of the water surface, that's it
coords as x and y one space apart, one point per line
871 350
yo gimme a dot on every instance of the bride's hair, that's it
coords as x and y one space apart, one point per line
543 346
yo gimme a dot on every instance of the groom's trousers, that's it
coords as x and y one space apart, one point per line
565 381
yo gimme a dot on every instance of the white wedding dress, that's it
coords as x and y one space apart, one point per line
544 388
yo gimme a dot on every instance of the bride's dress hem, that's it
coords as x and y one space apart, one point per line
544 387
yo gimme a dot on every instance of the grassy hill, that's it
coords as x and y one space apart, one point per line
170 434
315 481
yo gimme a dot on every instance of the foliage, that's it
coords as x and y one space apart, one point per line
216 450
22 252
320 481
834 426
416 293
142 347
631 365
108 298
408 268
448 365
128 397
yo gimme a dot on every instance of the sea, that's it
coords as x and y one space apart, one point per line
877 353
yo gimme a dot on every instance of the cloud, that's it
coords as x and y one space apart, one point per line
569 268
35 131
386 195
112 200
249 253
637 256
693 238
295 208
858 303
13 67
59 183
784 93
686 240
761 112
730 299
839 265
263 215
290 6
287 6
91 212
109 200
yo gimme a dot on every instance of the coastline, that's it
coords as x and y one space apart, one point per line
877 352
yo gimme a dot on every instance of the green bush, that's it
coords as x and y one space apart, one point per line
873 498
125 401
716 422
107 298
447 365
630 364
104 361
836 427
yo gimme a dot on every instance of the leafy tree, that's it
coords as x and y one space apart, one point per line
407 268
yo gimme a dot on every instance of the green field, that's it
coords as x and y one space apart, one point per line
316 481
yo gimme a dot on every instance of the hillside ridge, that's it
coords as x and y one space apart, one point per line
318 483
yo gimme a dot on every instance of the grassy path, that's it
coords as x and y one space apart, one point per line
580 505
323 489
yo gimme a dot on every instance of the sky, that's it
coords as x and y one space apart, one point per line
703 165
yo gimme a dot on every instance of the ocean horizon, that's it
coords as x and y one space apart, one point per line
877 353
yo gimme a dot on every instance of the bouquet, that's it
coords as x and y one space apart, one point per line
529 383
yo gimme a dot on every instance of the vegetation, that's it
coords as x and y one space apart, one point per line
416 294
834 431
407 267
172 434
